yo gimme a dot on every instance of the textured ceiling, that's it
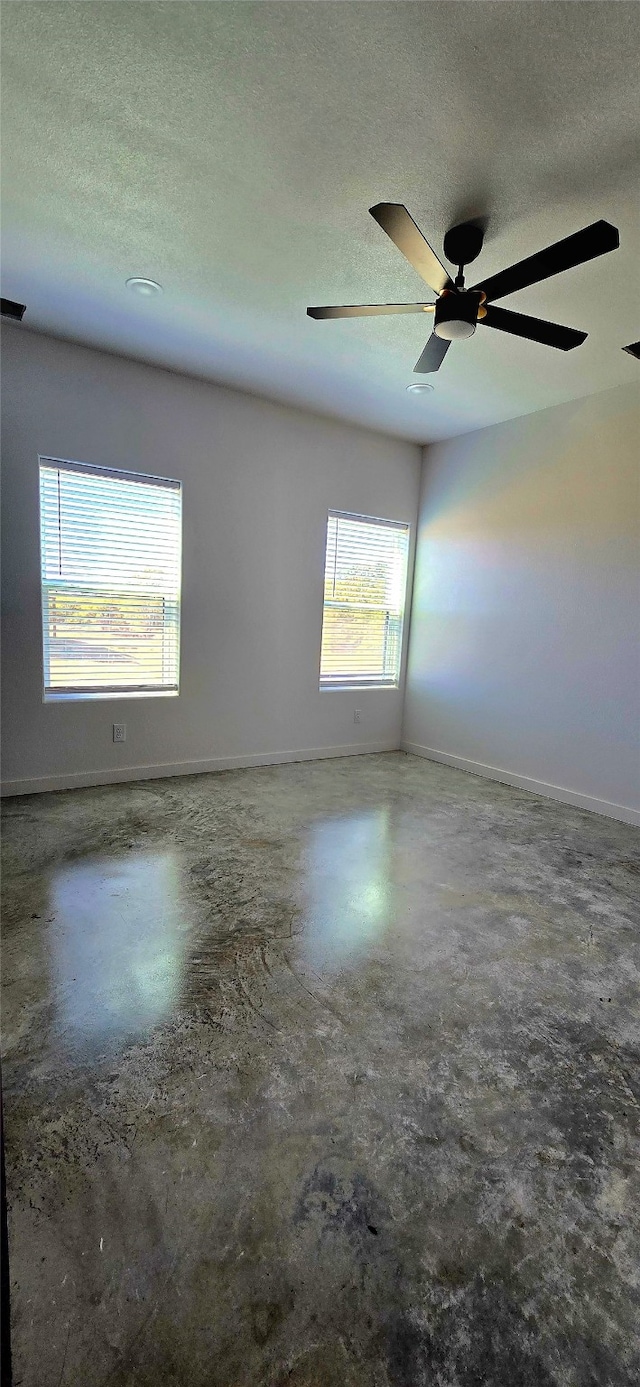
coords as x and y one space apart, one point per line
231 152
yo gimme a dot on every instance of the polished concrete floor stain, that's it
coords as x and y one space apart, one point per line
323 1075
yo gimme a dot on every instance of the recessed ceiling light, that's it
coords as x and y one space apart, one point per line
421 387
146 287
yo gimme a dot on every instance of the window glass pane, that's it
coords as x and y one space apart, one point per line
110 556
364 591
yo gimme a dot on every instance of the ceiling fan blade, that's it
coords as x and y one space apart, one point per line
400 226
433 355
536 329
370 310
593 240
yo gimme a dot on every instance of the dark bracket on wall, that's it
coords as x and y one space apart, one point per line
9 309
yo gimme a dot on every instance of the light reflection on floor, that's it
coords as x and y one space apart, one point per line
348 887
117 942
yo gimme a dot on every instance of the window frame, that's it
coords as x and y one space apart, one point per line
377 682
88 694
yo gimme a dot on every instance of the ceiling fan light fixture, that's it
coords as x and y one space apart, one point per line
421 387
454 330
456 316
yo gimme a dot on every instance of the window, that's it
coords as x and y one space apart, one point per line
110 547
364 589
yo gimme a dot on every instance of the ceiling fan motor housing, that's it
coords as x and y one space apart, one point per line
462 244
456 314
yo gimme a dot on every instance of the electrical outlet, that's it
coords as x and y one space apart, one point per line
357 714
119 731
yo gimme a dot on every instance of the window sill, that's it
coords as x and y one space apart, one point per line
357 688
84 697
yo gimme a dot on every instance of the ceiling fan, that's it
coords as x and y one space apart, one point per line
457 309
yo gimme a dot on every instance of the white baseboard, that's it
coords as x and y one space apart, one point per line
121 774
525 782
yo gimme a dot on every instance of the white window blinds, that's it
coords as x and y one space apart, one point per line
110 545
364 590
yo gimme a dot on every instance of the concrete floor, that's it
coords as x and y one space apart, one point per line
321 1074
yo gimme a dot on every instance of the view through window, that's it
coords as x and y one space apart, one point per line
110 564
364 591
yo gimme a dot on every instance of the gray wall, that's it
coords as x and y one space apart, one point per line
258 479
525 641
